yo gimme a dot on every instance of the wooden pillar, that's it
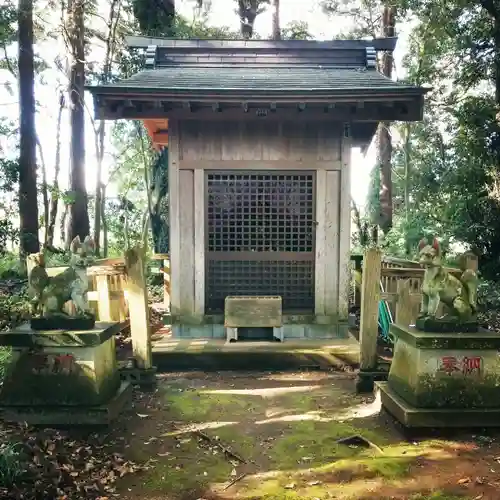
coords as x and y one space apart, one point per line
345 226
103 298
137 295
320 264
174 214
199 243
404 304
368 330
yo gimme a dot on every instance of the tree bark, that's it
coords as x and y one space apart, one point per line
247 11
54 199
104 222
45 192
276 20
78 211
28 206
383 133
100 132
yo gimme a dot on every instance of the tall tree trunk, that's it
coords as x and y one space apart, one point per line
383 133
45 192
54 199
247 11
104 222
79 217
28 206
276 20
64 226
100 132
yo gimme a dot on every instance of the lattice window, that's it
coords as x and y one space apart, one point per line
293 281
260 237
260 212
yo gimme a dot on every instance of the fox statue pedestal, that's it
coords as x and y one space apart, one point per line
62 377
443 379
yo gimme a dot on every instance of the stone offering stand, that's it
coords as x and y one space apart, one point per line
61 377
443 379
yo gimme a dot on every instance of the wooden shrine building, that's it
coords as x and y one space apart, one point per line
259 138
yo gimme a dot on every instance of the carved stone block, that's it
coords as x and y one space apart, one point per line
265 311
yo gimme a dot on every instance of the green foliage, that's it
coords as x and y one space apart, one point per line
296 30
11 465
155 17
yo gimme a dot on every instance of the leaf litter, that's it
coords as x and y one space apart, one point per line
57 467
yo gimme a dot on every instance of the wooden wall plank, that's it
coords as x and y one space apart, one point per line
332 237
173 193
321 262
267 140
199 242
345 229
259 165
186 221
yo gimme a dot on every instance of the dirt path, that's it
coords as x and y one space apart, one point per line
282 431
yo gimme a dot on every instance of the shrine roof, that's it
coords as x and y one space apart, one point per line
240 67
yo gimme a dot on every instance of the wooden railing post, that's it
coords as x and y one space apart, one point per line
368 330
137 296
103 298
404 304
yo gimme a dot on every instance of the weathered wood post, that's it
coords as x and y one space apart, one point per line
368 330
404 304
140 328
103 297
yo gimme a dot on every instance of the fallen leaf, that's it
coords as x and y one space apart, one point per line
464 480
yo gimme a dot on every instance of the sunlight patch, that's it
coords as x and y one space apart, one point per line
363 410
270 392
198 427
312 415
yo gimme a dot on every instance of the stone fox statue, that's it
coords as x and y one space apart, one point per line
459 295
51 293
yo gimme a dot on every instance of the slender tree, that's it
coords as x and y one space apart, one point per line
384 141
28 206
248 10
276 20
78 210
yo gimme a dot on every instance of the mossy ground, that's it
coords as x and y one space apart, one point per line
287 427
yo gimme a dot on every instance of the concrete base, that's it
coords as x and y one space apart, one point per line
365 381
62 416
290 331
446 370
410 416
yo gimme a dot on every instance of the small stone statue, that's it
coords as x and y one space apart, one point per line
459 295
50 294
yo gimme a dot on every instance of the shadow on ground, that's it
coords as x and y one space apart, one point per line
276 437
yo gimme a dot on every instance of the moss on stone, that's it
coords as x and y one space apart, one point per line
445 391
23 387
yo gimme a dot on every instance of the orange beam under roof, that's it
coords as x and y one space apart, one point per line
158 132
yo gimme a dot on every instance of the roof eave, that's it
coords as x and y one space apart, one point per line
306 95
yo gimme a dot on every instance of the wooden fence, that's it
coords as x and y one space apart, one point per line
118 292
401 282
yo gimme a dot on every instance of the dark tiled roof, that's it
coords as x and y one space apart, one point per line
287 79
